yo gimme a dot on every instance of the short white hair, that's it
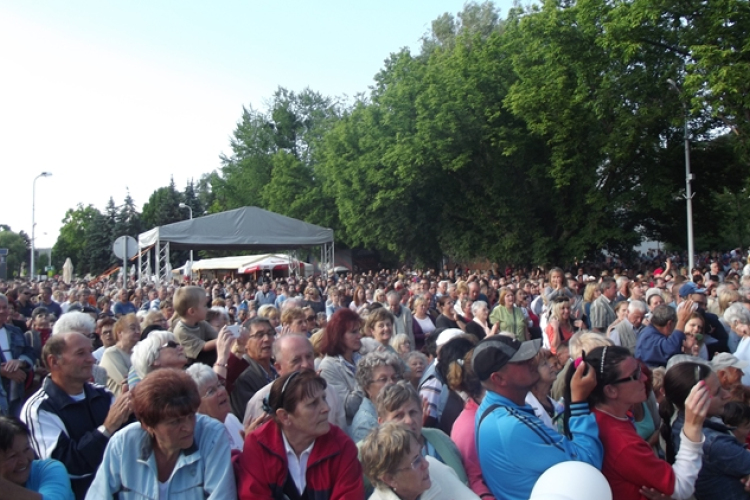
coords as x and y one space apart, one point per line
637 305
477 305
737 313
202 375
621 280
75 321
146 352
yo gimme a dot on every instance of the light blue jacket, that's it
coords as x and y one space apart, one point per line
515 447
203 471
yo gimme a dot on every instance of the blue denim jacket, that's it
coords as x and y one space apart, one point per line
203 471
725 462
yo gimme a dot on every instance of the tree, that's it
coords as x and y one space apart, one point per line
163 207
18 245
71 241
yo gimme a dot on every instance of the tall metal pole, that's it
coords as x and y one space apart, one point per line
183 205
688 180
33 220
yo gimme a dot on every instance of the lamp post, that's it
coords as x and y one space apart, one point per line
688 179
33 219
182 205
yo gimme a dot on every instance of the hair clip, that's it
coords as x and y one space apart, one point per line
697 373
460 362
604 356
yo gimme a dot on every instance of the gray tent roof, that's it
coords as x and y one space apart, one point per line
250 228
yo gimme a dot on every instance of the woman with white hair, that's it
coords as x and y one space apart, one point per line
479 325
158 350
738 318
215 402
375 371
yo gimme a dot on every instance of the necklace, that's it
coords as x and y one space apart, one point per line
623 419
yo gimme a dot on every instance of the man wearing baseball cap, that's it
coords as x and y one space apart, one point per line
729 370
513 445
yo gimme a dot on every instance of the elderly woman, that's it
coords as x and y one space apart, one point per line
392 459
22 477
401 344
401 403
170 453
340 345
416 362
298 454
738 318
509 317
116 359
158 350
726 297
479 326
375 371
215 402
379 325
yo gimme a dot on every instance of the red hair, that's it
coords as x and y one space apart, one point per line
342 321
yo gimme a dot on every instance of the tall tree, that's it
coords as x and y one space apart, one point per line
18 245
71 241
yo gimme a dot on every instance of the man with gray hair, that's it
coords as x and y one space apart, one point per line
625 333
70 419
16 362
80 322
663 338
293 352
402 318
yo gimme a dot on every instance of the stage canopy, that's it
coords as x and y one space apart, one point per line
242 229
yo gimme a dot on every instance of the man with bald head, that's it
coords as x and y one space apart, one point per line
70 419
294 352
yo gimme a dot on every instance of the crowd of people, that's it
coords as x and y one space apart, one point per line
409 385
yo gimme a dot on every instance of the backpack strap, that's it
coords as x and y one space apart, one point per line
489 410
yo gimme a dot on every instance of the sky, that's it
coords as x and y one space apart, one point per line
111 97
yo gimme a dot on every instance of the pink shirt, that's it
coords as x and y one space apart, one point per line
462 434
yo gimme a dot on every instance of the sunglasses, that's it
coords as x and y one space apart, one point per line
634 377
170 344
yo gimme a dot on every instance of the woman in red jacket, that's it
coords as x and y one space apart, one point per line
298 455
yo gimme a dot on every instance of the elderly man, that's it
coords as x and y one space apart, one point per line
70 419
729 370
16 361
514 447
402 318
625 333
602 312
259 372
663 338
293 352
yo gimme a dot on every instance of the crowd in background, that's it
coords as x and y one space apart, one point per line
399 384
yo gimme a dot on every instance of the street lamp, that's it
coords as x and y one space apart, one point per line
688 179
182 205
33 219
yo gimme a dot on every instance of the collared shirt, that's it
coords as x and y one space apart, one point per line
297 465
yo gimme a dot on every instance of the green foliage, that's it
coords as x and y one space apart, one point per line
71 242
18 245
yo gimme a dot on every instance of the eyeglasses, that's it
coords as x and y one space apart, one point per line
310 318
633 378
385 380
263 333
213 390
170 344
415 464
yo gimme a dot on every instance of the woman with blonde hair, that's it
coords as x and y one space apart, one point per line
422 324
559 328
590 294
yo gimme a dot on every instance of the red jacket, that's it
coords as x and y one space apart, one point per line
333 470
